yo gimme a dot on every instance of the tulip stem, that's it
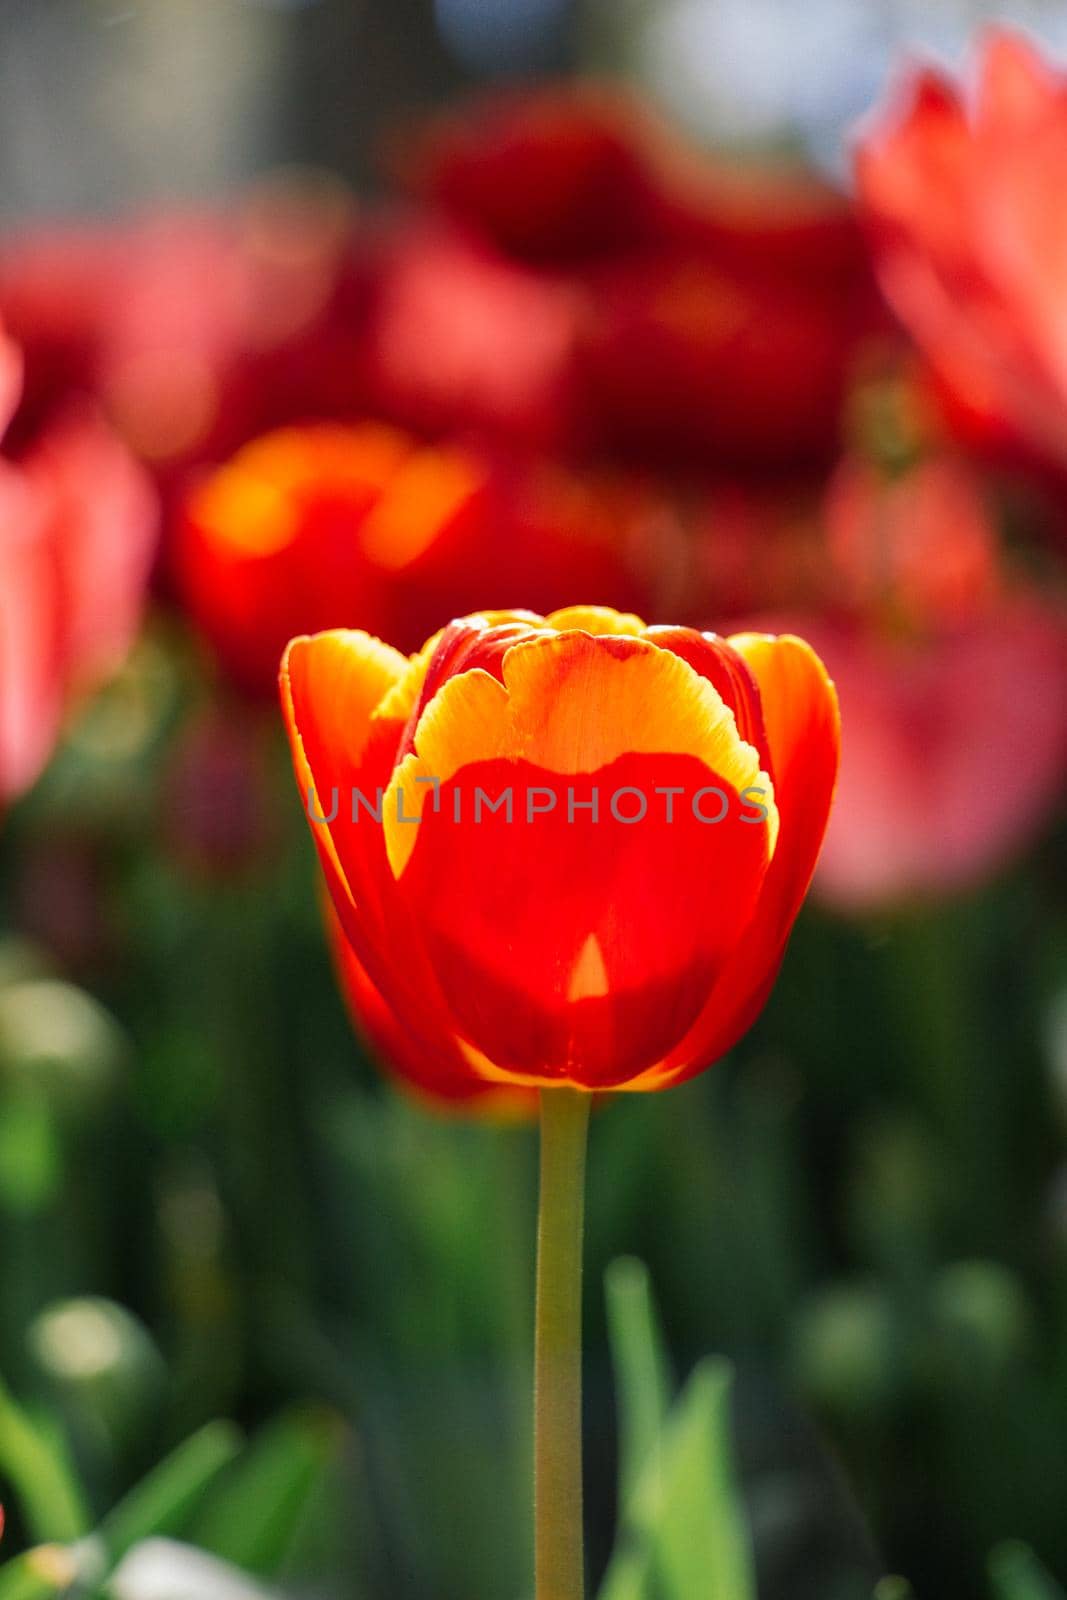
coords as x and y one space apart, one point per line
558 1539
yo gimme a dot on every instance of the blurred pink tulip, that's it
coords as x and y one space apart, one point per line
963 189
77 538
952 676
955 751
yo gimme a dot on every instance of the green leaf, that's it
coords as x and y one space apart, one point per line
1016 1574
165 1502
894 1588
629 1576
34 1458
702 1543
257 1509
688 1538
642 1381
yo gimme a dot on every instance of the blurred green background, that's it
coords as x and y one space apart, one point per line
212 1207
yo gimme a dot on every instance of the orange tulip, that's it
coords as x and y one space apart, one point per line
310 528
565 851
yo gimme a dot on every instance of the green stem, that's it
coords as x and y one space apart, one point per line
558 1347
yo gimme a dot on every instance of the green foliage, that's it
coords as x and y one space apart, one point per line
1016 1574
256 1510
244 1504
34 1459
642 1380
166 1501
683 1533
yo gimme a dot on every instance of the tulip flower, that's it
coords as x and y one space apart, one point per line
566 853
553 177
10 379
442 306
688 312
572 173
193 328
929 805
927 630
77 539
308 528
963 191
688 360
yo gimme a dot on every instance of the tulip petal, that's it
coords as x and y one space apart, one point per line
338 690
717 660
570 703
331 684
803 730
441 1076
595 620
573 943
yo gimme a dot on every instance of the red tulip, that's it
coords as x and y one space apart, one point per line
459 338
557 176
194 328
688 361
964 191
10 380
692 313
562 947
77 537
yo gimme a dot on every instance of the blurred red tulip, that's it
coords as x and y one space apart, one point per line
458 337
568 174
932 642
964 191
717 307
77 536
687 362
10 379
555 176
187 324
309 528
